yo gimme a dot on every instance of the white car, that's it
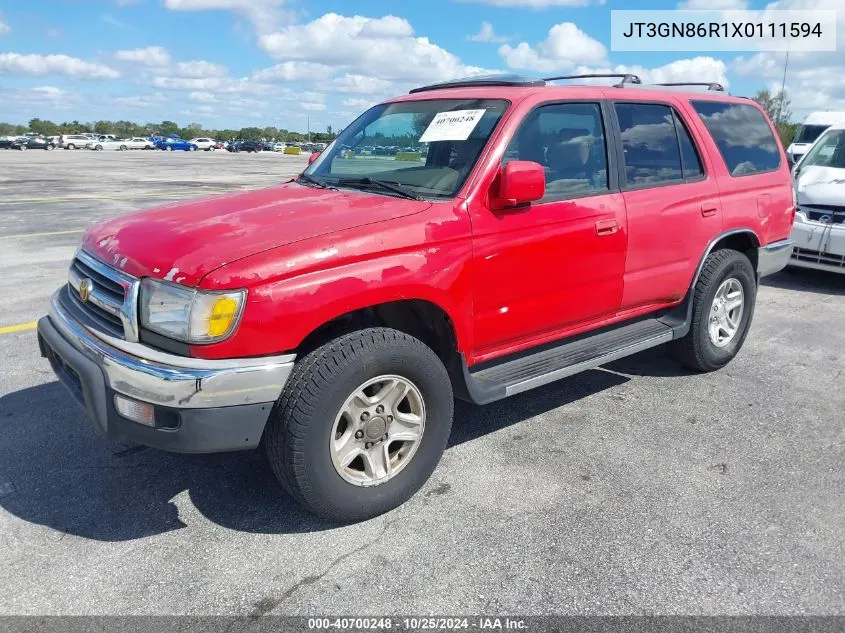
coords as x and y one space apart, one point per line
207 144
810 130
119 144
819 180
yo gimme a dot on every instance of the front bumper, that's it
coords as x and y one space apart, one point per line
773 257
818 245
201 406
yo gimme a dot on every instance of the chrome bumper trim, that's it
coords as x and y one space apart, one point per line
773 257
141 372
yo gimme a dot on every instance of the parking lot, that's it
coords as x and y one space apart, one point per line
636 488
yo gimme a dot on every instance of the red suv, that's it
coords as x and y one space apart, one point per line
525 232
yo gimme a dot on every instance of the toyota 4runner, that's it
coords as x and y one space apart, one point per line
527 231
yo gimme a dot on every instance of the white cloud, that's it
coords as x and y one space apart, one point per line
113 21
358 104
813 79
37 65
313 107
565 46
294 71
537 4
202 97
704 69
384 48
360 84
34 99
203 110
141 102
4 28
264 14
199 69
487 34
153 56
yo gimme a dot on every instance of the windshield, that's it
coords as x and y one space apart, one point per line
809 133
427 147
829 151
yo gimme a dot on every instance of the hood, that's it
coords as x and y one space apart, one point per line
186 241
821 185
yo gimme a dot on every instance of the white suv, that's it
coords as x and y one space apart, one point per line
73 141
207 144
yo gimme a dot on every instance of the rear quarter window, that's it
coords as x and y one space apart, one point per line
742 135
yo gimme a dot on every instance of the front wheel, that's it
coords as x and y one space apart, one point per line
50 148
361 424
24 148
192 148
169 148
723 306
99 148
123 148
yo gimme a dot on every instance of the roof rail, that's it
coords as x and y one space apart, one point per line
627 78
711 85
483 80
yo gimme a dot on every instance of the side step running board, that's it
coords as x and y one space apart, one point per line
540 368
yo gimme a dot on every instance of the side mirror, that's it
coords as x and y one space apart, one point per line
520 182
313 157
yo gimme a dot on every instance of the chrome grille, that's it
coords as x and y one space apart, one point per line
816 257
827 213
111 304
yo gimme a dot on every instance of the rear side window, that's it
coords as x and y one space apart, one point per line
568 140
742 135
651 145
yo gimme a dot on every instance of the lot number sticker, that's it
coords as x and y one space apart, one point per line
452 126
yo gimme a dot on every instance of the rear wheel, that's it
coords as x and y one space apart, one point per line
99 148
123 148
361 424
71 146
723 306
169 148
24 148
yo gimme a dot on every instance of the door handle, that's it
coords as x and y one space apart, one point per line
709 208
606 227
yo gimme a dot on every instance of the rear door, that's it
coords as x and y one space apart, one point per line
672 201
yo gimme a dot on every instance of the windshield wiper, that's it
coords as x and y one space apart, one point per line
384 184
313 180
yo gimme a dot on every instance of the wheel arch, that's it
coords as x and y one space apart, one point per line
744 240
421 318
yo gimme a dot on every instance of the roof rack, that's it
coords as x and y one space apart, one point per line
483 80
627 78
711 85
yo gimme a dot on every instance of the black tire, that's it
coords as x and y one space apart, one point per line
297 434
123 148
696 350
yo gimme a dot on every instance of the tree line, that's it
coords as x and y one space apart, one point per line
124 129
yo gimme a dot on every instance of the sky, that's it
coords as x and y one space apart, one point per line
293 63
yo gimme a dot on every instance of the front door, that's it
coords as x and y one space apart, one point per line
557 265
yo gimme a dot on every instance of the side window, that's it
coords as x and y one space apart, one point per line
650 144
568 140
742 135
690 161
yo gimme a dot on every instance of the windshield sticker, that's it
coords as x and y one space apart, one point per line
452 126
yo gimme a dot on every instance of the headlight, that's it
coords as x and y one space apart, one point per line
189 315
